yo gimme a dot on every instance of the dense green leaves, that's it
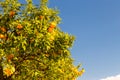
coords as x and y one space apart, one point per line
32 47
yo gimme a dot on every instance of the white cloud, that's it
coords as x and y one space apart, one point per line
117 77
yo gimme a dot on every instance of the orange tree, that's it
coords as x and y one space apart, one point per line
32 46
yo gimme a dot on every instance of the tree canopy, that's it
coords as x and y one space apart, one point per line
32 45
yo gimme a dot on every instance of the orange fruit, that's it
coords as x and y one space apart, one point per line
12 13
19 26
7 71
2 36
50 29
52 25
10 57
41 17
3 29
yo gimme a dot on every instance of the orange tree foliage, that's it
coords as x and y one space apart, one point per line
32 47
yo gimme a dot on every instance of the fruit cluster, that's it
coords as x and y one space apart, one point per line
3 30
52 26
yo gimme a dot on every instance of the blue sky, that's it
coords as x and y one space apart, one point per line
96 25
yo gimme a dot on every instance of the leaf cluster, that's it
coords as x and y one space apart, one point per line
32 46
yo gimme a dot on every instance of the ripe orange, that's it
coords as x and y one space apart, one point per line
52 25
7 71
2 36
3 29
12 13
50 29
19 26
10 57
41 17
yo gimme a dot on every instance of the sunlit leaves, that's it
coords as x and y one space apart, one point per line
32 47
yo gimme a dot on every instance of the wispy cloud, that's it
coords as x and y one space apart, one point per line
117 77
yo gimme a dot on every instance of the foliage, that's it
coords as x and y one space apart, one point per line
32 46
